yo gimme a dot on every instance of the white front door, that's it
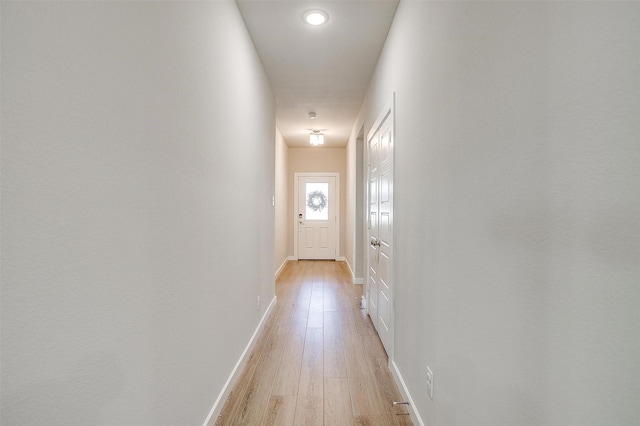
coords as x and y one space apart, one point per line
380 252
316 216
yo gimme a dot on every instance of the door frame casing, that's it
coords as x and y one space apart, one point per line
388 110
296 200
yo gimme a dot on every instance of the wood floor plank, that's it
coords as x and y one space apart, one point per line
288 377
330 298
235 401
303 296
318 359
380 419
280 411
315 306
334 362
309 406
337 402
360 386
258 391
386 390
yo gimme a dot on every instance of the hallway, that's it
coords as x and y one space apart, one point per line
148 158
318 360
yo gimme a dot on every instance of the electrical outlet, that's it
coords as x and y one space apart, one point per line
258 304
430 382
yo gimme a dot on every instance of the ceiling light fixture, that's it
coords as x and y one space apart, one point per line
316 138
315 17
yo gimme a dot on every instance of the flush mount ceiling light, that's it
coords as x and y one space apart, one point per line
315 17
316 138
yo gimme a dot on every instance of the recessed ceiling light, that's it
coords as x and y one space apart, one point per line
315 17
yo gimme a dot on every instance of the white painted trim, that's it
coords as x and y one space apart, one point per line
349 267
338 190
239 367
342 259
404 391
389 108
354 280
281 268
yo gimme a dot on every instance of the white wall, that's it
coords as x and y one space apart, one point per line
355 203
331 160
137 226
282 212
350 206
517 208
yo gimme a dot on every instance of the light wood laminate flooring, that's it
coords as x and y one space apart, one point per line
318 360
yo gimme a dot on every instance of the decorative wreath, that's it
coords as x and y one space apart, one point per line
317 201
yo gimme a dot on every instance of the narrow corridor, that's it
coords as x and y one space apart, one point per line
318 360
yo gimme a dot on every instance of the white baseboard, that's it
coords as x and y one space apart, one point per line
293 258
344 259
237 370
415 415
353 276
281 268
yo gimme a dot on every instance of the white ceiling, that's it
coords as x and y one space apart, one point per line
324 69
